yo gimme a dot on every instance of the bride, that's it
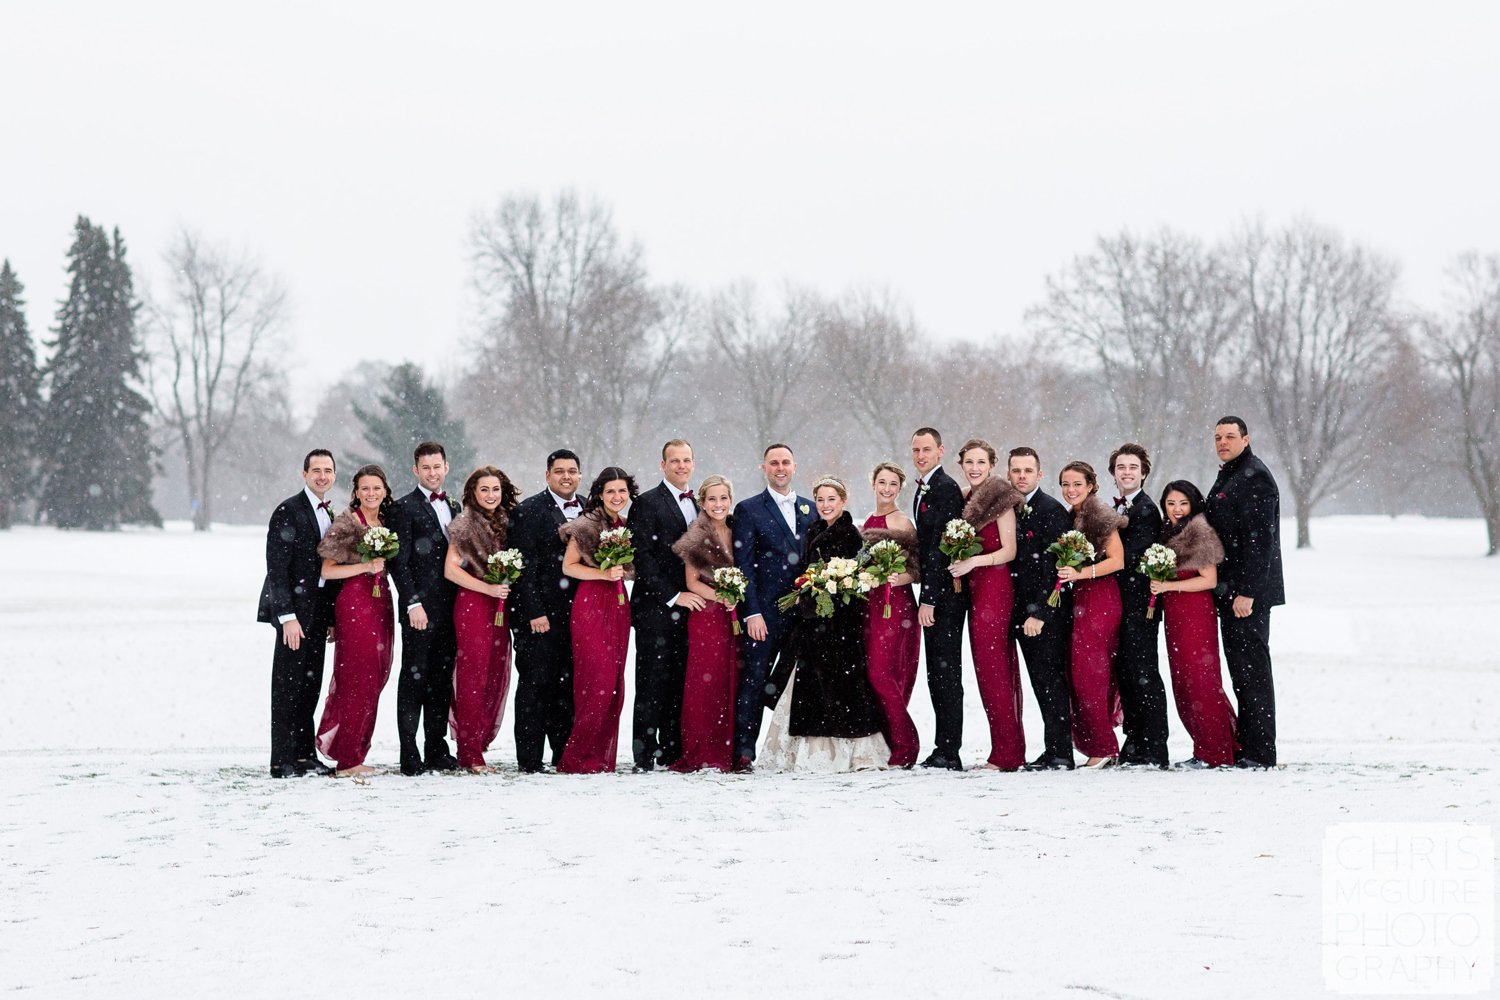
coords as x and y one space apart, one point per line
827 718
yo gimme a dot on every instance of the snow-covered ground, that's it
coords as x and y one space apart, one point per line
144 852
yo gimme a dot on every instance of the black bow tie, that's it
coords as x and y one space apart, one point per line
435 497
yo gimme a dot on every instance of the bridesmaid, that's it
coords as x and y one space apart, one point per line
713 655
481 671
364 625
600 627
991 509
1192 628
1096 617
893 645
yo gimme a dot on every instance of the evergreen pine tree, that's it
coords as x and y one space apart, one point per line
98 455
20 399
411 411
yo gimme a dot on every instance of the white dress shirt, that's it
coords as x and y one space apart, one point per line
684 504
1129 499
442 510
787 503
567 512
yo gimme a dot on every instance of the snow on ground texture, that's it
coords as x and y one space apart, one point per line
143 852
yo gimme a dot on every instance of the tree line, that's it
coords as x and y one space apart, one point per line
1361 402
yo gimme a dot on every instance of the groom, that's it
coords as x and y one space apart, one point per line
769 529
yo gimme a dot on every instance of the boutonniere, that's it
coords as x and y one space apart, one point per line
804 508
1030 535
1222 496
922 490
1129 504
454 505
1025 513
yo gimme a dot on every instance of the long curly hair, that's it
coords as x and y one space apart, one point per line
509 496
603 479
386 503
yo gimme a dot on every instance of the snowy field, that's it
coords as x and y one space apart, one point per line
144 852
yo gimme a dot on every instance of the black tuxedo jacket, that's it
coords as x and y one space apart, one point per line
1034 572
542 590
293 567
417 568
655 523
1244 508
942 502
1142 531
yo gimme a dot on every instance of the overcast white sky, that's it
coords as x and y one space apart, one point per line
957 153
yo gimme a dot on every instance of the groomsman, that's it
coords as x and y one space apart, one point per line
1044 633
542 609
938 500
297 600
428 643
659 607
1244 508
1137 669
769 529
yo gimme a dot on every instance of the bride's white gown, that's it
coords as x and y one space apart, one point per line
782 751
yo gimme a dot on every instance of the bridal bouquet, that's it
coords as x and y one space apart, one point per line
1072 548
960 541
377 543
836 579
1158 563
615 549
729 585
882 560
504 567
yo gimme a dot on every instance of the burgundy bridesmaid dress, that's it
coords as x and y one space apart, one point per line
1096 639
601 635
893 648
709 691
996 665
481 675
1197 683
364 631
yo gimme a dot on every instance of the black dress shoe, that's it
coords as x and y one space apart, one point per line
411 765
314 766
742 765
530 767
1246 764
442 762
1139 764
285 771
1192 764
1045 763
943 762
642 768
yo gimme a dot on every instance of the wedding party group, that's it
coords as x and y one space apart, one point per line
777 602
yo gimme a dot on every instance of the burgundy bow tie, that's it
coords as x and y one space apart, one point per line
1119 501
571 503
685 495
435 497
325 505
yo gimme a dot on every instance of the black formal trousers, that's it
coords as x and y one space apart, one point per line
424 692
1247 651
296 680
544 692
1143 696
660 675
1048 658
942 643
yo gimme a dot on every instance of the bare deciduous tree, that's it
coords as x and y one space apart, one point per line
1465 349
572 326
211 327
1319 328
767 354
1153 317
875 355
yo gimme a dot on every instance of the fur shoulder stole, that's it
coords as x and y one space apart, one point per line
700 550
1197 544
990 499
343 538
475 540
1096 520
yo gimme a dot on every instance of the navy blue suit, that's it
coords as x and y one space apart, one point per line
770 556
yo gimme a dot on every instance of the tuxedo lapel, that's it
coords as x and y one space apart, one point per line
669 498
428 514
774 511
308 515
